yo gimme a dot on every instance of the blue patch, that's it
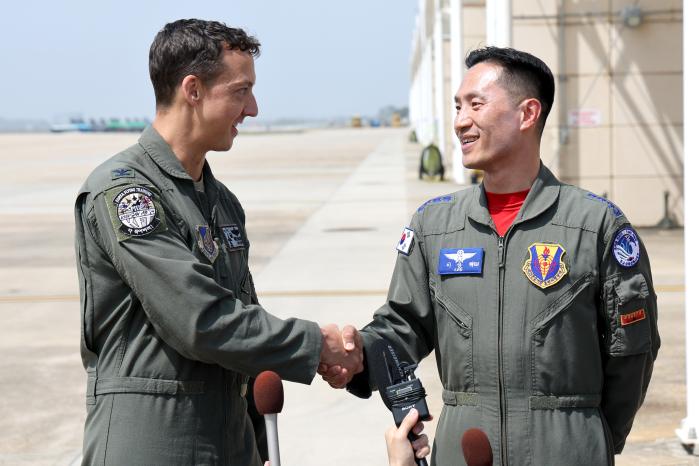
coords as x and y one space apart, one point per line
233 237
626 247
123 173
436 200
206 242
616 210
461 261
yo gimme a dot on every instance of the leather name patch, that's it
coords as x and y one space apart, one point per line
632 317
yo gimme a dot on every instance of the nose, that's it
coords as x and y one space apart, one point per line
251 106
462 120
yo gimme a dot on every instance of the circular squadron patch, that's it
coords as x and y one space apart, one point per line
136 211
626 247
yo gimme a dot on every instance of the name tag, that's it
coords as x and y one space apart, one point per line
461 261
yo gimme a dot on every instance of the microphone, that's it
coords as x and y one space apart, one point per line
400 390
476 448
269 400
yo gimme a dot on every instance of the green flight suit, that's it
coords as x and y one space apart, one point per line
552 370
171 328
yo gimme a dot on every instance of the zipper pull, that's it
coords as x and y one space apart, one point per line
501 252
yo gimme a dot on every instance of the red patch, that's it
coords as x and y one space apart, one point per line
631 317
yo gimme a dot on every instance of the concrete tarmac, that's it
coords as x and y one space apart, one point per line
324 211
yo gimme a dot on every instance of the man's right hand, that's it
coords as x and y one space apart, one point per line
341 356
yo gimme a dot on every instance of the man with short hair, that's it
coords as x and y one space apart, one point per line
171 329
537 296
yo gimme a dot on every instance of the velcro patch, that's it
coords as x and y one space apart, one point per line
405 244
633 317
232 237
460 261
134 211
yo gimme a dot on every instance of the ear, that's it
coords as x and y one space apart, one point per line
191 89
531 111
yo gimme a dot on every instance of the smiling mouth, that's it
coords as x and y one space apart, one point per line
467 140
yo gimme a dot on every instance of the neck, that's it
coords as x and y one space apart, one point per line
176 129
516 173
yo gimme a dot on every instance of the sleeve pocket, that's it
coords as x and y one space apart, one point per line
626 305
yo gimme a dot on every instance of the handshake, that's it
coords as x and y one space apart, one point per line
341 356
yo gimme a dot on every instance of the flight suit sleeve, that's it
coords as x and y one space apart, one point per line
630 340
406 320
188 309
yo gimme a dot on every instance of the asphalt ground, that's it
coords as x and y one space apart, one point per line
324 211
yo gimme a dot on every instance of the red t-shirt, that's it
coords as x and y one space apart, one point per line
504 208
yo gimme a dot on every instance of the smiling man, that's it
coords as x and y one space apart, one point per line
537 296
171 328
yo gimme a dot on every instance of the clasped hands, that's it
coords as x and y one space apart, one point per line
341 356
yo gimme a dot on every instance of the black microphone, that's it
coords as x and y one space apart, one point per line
269 400
476 448
400 390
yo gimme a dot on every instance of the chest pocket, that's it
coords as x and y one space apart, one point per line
565 351
234 256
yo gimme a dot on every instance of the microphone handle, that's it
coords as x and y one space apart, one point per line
272 439
420 461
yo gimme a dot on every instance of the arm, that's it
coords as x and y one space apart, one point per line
630 341
189 310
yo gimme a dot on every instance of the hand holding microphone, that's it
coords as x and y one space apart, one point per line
269 401
401 451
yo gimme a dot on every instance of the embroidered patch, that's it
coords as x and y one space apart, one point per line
436 200
545 266
632 317
405 245
206 242
134 212
123 173
626 247
615 209
232 238
460 261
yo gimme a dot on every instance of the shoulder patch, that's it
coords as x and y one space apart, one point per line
613 207
405 245
123 173
134 211
626 247
233 237
436 200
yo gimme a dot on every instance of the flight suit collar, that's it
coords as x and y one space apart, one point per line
161 153
542 195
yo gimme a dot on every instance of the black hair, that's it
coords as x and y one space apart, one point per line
192 46
523 75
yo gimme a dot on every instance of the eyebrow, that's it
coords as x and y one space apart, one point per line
468 96
244 83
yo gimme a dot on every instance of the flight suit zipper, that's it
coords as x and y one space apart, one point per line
501 377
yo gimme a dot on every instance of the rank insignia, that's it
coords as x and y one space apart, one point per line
545 266
206 242
123 173
134 212
613 207
460 261
406 241
626 247
232 238
436 200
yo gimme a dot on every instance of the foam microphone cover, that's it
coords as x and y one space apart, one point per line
268 393
476 448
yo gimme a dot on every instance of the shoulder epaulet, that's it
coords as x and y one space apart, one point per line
437 200
616 211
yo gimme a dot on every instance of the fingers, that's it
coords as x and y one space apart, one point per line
421 446
351 338
408 422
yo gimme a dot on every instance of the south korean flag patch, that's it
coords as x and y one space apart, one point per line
405 245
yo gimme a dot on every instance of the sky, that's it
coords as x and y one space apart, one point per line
320 58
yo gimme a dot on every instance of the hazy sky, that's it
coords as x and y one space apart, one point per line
320 58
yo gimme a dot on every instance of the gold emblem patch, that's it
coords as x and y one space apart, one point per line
545 266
